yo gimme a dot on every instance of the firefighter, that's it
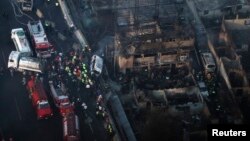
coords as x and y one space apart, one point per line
97 113
70 74
83 81
83 66
99 98
90 82
85 70
103 114
74 59
53 67
84 106
74 72
109 128
83 49
67 69
87 86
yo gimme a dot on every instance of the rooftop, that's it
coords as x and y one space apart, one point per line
216 4
20 40
37 31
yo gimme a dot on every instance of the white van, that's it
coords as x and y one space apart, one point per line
96 65
208 62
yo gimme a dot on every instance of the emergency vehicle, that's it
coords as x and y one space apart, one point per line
39 98
208 62
22 63
39 39
21 43
71 131
96 65
61 99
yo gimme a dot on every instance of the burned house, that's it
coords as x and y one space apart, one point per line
149 34
236 35
219 8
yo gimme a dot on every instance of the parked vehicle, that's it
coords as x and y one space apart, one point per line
96 65
39 39
208 62
39 98
22 63
61 99
21 43
71 130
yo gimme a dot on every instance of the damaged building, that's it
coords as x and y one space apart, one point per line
208 9
150 33
236 35
152 45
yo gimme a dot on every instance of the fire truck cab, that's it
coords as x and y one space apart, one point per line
39 39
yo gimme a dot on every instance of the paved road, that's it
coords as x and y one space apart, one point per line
18 118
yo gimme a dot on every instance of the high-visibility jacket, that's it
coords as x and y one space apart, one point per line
67 68
69 73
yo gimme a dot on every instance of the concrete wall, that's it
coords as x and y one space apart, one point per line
180 43
128 63
216 13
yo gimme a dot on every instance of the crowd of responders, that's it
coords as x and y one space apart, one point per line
70 67
73 67
102 113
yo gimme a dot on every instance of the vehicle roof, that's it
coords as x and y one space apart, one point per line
208 58
19 36
14 55
98 63
37 88
34 62
201 84
70 124
37 31
56 92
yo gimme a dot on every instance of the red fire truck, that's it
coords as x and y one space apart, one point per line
39 39
39 98
71 130
61 99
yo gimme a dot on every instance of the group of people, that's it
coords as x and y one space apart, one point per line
70 67
102 113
